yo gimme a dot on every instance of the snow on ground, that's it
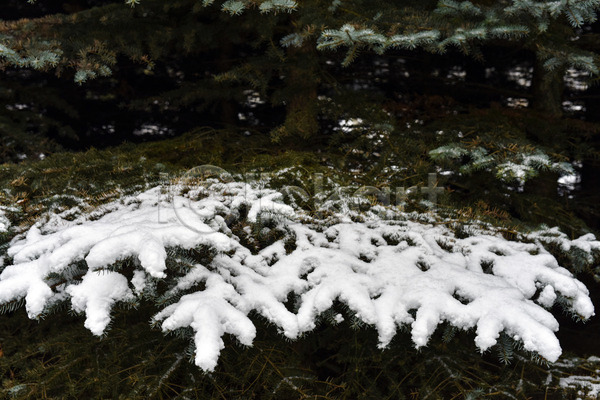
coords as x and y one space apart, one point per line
389 271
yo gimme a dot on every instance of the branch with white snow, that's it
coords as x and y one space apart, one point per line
388 272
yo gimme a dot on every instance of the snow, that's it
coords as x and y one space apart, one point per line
529 166
4 222
589 386
390 271
510 170
96 294
577 376
4 227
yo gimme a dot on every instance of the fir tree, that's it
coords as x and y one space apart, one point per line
315 99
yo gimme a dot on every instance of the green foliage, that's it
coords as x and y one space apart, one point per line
255 45
25 126
57 357
89 179
46 359
521 169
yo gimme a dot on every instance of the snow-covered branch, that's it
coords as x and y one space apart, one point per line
258 253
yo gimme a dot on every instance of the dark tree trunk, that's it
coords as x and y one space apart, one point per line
228 108
303 82
548 88
588 197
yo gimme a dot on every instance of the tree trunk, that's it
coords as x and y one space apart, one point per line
588 198
228 108
548 87
302 84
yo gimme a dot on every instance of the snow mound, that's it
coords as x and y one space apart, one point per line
389 272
